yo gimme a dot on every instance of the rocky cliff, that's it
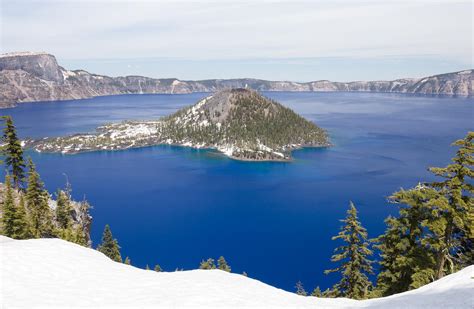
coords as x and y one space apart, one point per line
31 77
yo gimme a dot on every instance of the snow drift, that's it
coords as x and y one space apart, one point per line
55 273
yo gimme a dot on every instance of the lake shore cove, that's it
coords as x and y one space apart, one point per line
240 123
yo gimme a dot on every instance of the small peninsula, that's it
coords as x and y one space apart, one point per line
240 123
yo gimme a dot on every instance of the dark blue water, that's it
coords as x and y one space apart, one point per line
175 206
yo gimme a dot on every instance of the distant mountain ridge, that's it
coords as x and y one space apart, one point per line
31 77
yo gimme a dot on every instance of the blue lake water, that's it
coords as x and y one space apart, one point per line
175 206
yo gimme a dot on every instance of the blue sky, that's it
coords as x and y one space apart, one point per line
278 40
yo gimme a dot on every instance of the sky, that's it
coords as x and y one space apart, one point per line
298 40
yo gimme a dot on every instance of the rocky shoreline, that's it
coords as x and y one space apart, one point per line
239 123
56 145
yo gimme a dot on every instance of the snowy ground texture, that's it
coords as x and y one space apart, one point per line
52 273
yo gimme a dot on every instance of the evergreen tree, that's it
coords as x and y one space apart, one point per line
109 245
127 261
353 256
157 268
37 204
300 289
14 222
85 220
245 274
63 210
329 293
147 267
13 152
433 233
406 263
317 292
451 221
207 264
222 264
22 223
8 209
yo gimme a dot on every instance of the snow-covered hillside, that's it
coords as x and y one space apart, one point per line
55 273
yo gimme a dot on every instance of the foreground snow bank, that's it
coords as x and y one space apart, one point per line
56 273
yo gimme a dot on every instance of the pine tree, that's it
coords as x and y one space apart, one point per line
300 289
157 268
8 209
451 222
22 223
434 228
207 264
13 152
317 292
406 263
37 204
63 210
222 264
353 256
147 267
109 245
127 261
329 293
85 220
14 222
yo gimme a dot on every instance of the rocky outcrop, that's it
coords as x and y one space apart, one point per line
31 77
41 65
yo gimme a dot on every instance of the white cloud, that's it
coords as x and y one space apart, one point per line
77 29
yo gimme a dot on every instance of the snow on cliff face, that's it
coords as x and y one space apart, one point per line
55 273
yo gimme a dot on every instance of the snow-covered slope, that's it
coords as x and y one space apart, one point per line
55 273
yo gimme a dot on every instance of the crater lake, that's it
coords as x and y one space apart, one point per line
176 206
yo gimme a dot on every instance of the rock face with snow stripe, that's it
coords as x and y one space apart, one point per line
31 77
240 123
54 273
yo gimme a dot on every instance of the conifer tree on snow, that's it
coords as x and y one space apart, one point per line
300 289
37 204
63 210
222 264
22 223
353 257
317 292
127 261
157 268
207 264
109 246
147 267
433 233
14 221
13 152
451 222
406 263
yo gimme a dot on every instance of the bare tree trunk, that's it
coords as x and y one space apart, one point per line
440 265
